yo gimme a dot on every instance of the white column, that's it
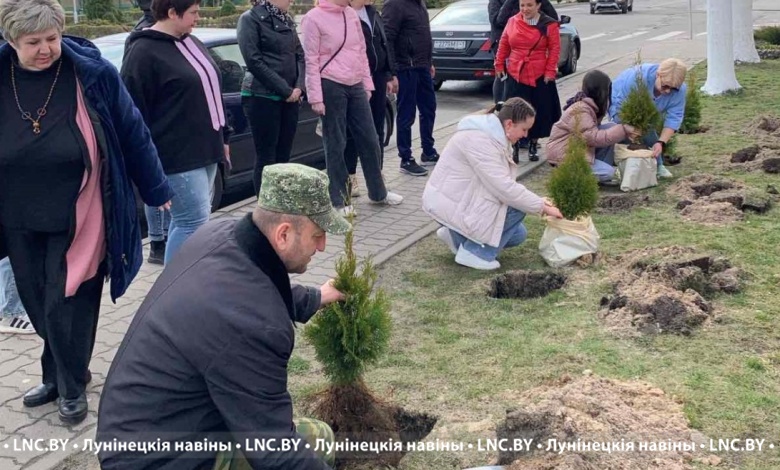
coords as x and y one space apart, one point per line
744 44
721 76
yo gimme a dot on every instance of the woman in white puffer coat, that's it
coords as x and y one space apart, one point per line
473 192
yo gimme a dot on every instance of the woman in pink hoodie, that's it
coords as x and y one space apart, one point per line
339 85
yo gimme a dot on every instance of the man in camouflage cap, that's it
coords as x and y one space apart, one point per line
205 358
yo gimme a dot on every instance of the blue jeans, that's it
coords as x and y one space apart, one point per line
191 205
10 303
415 91
514 234
158 222
603 165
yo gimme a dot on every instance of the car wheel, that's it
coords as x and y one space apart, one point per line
592 10
624 10
631 7
571 64
219 189
437 84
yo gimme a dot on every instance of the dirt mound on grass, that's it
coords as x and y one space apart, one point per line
618 203
525 284
355 415
714 200
665 290
764 126
764 157
712 213
592 409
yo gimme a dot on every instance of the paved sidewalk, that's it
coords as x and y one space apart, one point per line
381 232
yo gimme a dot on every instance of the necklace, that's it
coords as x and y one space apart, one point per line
41 112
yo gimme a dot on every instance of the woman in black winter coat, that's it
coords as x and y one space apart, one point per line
274 82
385 81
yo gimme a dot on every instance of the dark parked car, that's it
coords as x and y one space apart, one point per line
223 46
461 43
623 6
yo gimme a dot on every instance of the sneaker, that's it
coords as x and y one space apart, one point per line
156 253
444 235
663 172
429 160
470 260
353 185
347 211
410 167
392 199
17 325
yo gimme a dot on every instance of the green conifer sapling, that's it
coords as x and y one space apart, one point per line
572 186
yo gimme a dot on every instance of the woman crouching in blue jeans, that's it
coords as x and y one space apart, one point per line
473 192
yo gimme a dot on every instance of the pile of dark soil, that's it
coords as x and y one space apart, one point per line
525 284
356 416
764 157
665 290
714 200
622 202
592 409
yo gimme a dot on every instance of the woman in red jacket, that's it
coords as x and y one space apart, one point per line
527 61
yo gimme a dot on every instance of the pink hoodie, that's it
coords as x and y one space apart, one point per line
323 33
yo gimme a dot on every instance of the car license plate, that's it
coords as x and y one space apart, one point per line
452 45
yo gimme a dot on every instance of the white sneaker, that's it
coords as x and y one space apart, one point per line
663 172
353 183
469 259
346 211
392 199
444 235
17 325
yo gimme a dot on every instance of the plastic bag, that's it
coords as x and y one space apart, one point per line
564 241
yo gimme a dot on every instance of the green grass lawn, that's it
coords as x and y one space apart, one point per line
465 357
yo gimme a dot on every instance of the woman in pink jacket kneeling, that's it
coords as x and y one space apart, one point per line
586 109
473 191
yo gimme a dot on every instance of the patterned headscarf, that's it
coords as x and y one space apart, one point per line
274 10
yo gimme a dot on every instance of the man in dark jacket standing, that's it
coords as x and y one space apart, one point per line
203 367
411 45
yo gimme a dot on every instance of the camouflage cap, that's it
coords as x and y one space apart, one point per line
296 189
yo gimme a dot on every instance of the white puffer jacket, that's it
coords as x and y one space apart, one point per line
474 182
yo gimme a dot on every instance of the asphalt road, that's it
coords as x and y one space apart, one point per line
605 37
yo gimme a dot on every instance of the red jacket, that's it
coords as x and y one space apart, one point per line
516 43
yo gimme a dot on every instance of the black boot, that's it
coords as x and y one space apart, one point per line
73 411
516 153
533 151
156 252
40 395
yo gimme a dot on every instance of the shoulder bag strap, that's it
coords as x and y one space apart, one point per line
343 14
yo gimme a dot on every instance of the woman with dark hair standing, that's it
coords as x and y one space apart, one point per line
175 84
527 59
382 68
274 81
73 144
583 113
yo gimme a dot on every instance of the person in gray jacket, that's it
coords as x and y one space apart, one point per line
205 358
274 82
